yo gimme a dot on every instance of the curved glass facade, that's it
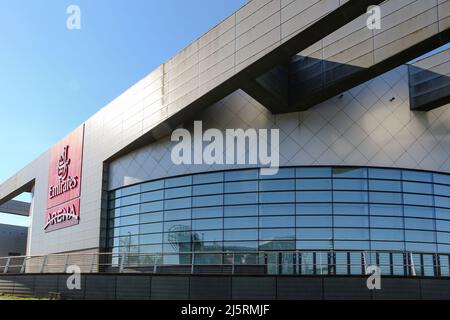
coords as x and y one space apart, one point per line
302 208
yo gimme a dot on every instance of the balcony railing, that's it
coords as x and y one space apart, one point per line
393 263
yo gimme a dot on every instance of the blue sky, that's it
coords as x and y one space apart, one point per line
52 79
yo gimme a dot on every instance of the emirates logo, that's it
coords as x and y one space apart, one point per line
63 164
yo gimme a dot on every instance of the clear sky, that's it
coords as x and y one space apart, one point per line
52 78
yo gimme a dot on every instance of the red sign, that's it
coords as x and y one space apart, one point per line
64 180
63 216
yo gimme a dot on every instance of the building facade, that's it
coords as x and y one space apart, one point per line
364 148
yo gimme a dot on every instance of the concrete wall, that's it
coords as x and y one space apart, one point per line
13 239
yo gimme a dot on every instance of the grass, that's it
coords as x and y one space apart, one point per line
4 296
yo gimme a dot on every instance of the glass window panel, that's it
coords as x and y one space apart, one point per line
443 248
153 185
208 177
177 203
131 190
385 185
351 234
236 211
238 223
351 209
387 245
150 238
313 196
153 248
313 184
151 217
442 202
115 194
277 245
276 197
443 237
375 173
282 173
417 176
313 172
276 185
386 234
241 175
351 221
421 224
313 245
150 228
178 181
385 197
442 213
441 178
420 247
420 212
351 245
205 201
420 236
314 233
386 222
180 214
417 187
126 211
350 196
210 212
242 186
174 226
129 220
178 192
240 246
241 198
201 236
152 196
349 184
276 234
314 221
151 206
204 224
343 172
243 234
443 225
442 190
386 210
319 209
205 189
129 200
277 209
176 237
277 222
130 230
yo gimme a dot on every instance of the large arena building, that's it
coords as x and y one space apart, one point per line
362 113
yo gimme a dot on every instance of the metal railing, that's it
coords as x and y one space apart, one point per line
395 263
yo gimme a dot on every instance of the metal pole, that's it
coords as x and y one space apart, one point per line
122 262
44 262
66 261
413 268
8 261
92 263
24 263
192 262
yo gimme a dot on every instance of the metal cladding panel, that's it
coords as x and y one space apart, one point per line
254 288
435 289
7 284
67 294
100 287
210 288
339 288
299 288
133 288
44 284
170 288
407 289
24 285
